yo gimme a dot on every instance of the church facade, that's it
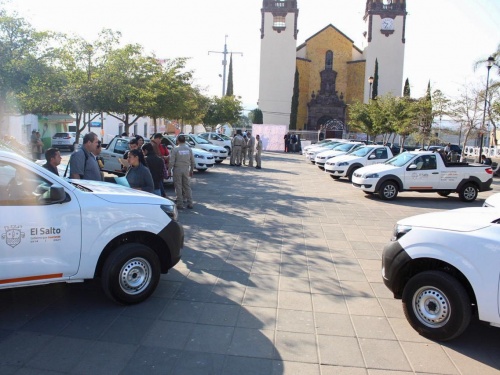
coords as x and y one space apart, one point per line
332 71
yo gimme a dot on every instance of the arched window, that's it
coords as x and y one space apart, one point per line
329 60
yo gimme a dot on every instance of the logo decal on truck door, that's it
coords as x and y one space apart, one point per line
13 235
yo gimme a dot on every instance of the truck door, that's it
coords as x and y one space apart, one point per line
378 155
111 155
425 176
38 240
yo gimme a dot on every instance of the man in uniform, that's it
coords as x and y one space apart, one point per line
182 166
244 149
237 144
250 148
83 164
258 151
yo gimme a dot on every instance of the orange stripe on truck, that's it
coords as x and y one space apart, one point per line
31 278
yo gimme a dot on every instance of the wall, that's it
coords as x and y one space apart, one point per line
271 136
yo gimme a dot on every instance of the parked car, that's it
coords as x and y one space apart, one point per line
324 142
340 149
346 165
423 171
218 139
66 140
492 201
444 266
219 153
312 152
50 233
203 159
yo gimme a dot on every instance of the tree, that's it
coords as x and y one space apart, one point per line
229 91
375 82
223 110
295 102
360 116
24 57
406 90
256 116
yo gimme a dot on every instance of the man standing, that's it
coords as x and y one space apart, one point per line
236 145
83 164
258 152
182 166
251 148
53 157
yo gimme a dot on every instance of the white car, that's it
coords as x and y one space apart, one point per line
324 142
492 201
55 230
346 165
66 140
219 153
445 266
218 139
340 149
203 159
311 153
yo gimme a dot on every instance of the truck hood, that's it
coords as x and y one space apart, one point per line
377 168
331 153
459 220
346 157
115 193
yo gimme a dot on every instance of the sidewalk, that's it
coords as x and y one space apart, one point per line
280 275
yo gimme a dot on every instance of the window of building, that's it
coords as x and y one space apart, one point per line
279 22
329 60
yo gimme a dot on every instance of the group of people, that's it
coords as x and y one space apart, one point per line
146 166
245 146
292 142
36 145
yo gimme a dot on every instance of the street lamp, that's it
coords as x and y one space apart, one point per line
370 80
489 64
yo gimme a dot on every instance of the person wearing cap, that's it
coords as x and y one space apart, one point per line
182 166
251 148
258 152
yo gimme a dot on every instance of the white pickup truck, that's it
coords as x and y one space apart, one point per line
56 230
346 165
423 171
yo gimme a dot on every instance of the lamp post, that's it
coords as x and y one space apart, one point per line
489 64
370 81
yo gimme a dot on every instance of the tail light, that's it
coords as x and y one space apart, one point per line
489 170
67 137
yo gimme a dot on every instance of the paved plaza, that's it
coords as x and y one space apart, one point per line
280 274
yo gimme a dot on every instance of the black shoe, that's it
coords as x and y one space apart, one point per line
232 164
190 206
258 167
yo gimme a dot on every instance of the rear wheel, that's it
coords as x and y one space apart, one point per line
436 305
388 190
131 273
468 193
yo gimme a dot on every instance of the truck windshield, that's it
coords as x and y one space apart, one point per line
401 159
362 151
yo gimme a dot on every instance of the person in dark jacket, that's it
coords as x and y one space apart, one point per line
53 157
138 176
155 165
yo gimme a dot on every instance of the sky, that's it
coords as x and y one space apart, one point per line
444 38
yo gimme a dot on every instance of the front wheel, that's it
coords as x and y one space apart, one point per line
334 177
436 305
218 161
388 191
468 193
131 273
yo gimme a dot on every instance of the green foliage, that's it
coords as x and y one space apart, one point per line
223 110
229 91
256 116
375 81
295 102
406 90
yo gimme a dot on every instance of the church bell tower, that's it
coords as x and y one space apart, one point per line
385 23
278 45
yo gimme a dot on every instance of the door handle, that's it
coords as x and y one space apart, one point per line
435 172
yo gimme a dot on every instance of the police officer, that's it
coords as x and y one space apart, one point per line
258 152
250 148
182 166
237 144
244 148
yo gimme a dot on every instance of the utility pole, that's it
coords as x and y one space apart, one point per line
224 63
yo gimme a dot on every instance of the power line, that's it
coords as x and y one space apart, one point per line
224 63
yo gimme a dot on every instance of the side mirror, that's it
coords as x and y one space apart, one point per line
372 156
412 166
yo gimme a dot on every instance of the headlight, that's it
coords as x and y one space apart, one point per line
371 175
198 156
170 209
399 231
343 164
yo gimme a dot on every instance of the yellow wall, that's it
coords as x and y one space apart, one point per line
350 77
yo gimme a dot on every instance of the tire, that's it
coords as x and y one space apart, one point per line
468 193
218 161
202 170
72 147
350 173
436 305
388 190
335 177
130 273
228 150
444 193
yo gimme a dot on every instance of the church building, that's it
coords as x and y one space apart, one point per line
332 71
